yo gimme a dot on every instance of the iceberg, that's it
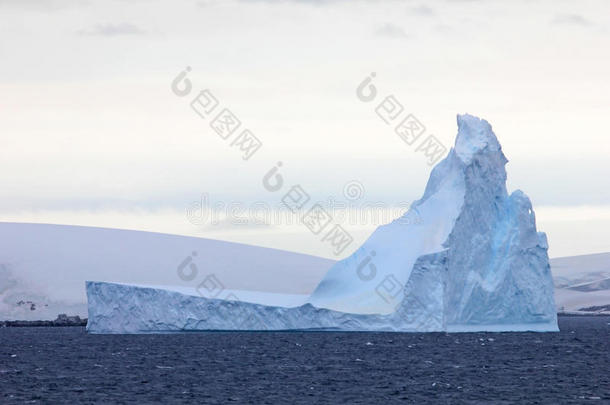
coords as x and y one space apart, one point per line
465 257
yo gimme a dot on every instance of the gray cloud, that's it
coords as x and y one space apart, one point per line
444 29
391 31
206 3
312 2
572 19
239 224
113 30
43 5
423 11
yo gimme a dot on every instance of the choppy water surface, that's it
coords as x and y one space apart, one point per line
49 365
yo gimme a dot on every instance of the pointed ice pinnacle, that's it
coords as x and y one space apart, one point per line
474 134
496 269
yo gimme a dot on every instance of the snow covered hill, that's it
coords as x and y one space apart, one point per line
47 265
573 270
582 283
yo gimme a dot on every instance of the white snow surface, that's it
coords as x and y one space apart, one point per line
48 265
473 261
582 283
253 297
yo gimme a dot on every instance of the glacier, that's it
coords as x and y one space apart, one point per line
465 257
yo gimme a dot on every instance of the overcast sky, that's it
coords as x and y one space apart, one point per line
92 134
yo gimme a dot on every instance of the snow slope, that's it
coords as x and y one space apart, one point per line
392 250
573 267
48 265
474 261
582 282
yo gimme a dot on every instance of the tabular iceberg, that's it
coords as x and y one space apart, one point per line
465 257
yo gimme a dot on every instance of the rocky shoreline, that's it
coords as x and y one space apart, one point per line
61 320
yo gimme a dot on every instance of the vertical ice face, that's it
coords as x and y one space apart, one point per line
497 263
494 267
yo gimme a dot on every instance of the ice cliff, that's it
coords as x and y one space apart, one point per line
473 261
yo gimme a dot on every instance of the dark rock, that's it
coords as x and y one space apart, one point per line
598 308
62 320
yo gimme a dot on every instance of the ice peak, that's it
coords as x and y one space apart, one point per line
474 135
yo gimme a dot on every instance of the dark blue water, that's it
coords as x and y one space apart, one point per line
49 365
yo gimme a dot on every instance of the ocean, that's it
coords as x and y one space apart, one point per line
65 364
